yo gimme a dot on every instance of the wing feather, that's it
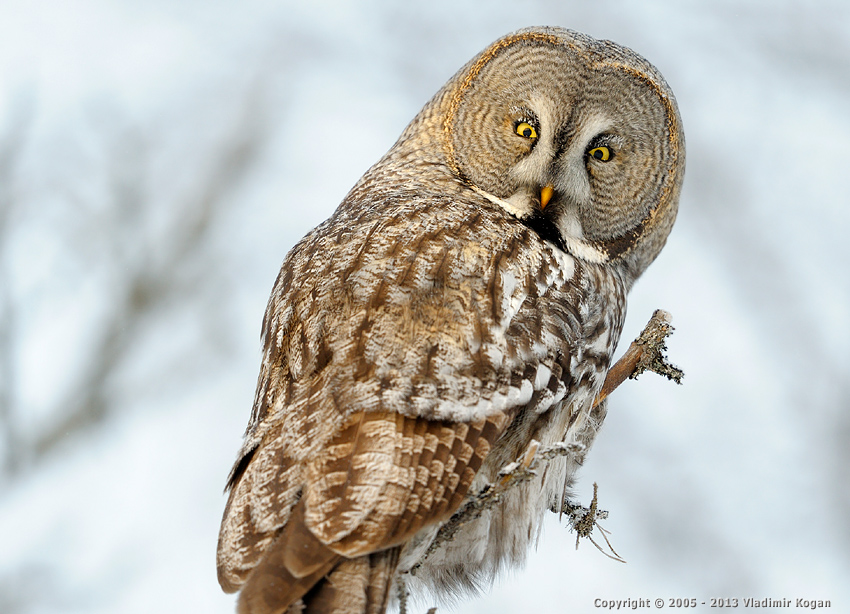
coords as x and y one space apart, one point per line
382 493
367 493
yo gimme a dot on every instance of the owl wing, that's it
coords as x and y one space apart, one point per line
386 381
383 477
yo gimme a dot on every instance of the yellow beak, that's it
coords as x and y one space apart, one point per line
546 195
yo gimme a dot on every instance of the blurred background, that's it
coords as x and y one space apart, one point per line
158 160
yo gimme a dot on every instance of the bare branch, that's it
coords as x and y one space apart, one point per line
510 476
583 520
402 594
646 353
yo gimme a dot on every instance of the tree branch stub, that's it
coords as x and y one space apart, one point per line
646 353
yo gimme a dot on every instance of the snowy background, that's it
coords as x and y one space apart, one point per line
157 161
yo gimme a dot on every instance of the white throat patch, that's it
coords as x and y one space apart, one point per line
579 248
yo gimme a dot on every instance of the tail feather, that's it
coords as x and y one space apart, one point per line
293 564
355 586
300 575
381 574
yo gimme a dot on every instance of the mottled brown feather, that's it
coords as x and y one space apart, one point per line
294 563
366 495
377 498
355 586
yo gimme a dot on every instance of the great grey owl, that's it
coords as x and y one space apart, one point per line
465 298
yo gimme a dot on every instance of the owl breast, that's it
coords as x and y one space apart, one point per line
578 319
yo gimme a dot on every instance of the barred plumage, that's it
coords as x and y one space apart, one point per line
448 312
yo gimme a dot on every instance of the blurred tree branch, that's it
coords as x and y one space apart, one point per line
153 281
147 271
12 144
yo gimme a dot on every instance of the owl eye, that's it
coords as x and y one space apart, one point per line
601 153
527 130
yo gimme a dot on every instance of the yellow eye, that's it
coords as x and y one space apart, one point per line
527 130
601 153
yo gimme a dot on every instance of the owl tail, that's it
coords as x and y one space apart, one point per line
355 586
300 575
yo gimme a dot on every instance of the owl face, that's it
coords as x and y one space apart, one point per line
581 140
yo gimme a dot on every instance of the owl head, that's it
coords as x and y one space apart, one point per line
578 138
